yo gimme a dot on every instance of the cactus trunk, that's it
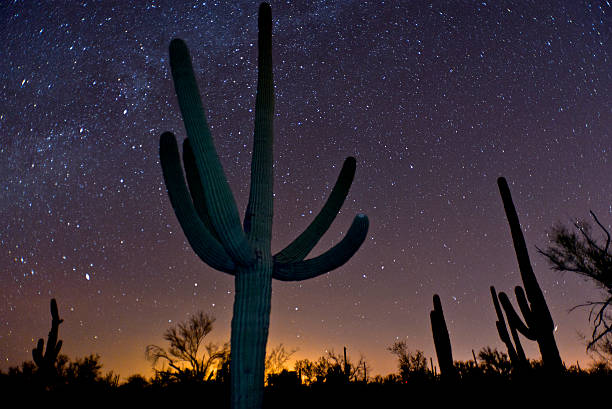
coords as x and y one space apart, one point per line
250 324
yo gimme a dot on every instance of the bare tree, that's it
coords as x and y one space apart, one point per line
494 362
411 364
579 252
184 355
306 370
277 358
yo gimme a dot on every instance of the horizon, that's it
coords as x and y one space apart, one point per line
435 102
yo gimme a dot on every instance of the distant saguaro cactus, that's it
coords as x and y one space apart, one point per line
538 325
515 351
441 338
46 360
209 217
347 367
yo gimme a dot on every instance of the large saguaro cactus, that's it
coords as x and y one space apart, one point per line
209 217
539 325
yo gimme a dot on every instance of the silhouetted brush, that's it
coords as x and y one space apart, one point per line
441 339
538 325
46 361
208 215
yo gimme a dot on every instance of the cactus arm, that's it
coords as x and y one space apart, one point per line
220 201
37 353
330 260
520 353
534 293
53 346
501 322
195 187
502 329
515 351
299 248
526 311
201 240
55 319
258 215
57 348
513 319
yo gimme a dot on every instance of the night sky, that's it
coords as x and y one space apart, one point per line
434 99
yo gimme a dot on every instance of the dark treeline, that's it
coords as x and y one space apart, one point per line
331 380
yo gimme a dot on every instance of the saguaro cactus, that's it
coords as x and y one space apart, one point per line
539 325
209 217
441 338
46 361
347 368
515 351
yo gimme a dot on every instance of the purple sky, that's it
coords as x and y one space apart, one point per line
435 100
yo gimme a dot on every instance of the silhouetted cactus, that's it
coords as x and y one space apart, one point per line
538 325
515 351
209 217
441 339
347 367
46 361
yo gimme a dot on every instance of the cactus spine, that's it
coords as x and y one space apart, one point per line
538 325
441 339
209 217
46 361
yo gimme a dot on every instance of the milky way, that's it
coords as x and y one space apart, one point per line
434 99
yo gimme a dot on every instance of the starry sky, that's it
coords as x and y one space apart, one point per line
435 99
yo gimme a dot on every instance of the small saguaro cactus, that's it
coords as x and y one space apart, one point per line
347 367
441 338
538 325
46 361
208 215
515 351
